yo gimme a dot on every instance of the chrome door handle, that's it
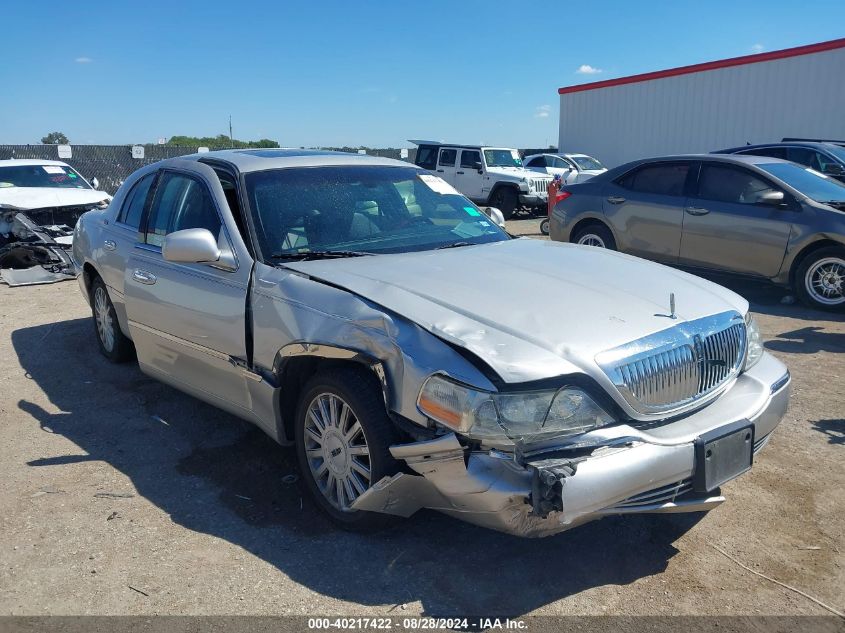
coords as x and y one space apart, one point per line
109 245
697 211
616 200
144 277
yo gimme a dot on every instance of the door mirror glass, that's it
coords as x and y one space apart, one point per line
833 169
773 198
190 246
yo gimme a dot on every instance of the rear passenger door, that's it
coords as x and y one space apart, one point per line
467 178
446 164
188 319
121 236
646 207
726 227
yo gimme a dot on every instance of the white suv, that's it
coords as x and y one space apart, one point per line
491 176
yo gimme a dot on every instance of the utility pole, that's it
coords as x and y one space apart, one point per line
231 138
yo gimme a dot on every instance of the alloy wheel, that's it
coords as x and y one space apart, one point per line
825 281
591 239
102 314
336 450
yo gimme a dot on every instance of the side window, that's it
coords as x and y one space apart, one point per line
427 156
181 202
730 184
447 157
804 156
773 152
133 205
539 161
559 163
665 179
470 158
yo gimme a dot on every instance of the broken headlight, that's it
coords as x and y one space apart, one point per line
521 416
754 343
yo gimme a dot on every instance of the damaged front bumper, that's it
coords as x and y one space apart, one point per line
628 470
35 246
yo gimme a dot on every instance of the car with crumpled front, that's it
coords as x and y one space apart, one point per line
414 355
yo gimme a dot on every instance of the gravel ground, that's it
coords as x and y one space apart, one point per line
123 496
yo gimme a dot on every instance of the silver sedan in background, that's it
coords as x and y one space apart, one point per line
750 215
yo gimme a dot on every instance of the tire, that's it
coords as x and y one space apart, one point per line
595 235
113 343
505 200
820 279
544 226
334 474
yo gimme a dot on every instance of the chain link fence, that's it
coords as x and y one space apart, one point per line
112 164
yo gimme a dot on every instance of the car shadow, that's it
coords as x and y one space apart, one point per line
807 340
834 429
212 473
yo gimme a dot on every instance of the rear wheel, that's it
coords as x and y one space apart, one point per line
113 343
595 235
820 279
505 200
343 436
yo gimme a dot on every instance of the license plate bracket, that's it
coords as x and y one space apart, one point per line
723 454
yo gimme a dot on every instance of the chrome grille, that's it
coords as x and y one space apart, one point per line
539 185
679 366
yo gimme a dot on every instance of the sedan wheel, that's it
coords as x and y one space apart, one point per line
113 343
825 281
595 234
102 316
343 440
337 451
591 239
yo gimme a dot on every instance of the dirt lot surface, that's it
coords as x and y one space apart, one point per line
123 496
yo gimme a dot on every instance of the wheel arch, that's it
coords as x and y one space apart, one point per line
590 221
296 363
819 243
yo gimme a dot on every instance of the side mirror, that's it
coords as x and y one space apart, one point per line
190 246
832 169
494 214
477 165
95 183
773 198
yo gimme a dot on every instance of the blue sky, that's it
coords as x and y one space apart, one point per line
354 73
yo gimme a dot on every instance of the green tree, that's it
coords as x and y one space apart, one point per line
55 138
221 141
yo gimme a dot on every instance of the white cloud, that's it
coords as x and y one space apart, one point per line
758 48
542 112
586 69
83 60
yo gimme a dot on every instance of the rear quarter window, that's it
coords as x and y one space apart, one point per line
663 179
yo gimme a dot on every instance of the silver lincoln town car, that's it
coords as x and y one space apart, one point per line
415 354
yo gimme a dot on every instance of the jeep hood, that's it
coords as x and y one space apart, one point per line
26 198
529 309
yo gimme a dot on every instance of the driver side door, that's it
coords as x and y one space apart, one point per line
188 319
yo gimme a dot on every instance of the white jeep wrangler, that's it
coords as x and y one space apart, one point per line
492 176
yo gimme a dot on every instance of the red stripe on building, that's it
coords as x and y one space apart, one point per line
697 68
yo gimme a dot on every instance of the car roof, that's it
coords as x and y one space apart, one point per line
727 158
461 145
248 160
810 144
11 162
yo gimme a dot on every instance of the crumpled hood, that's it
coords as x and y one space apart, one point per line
24 198
531 309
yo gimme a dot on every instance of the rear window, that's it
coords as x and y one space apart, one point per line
664 179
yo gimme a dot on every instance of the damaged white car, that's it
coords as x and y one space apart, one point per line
417 356
40 202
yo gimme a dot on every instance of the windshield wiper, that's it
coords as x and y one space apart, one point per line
454 245
308 255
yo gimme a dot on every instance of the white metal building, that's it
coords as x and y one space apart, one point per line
796 92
